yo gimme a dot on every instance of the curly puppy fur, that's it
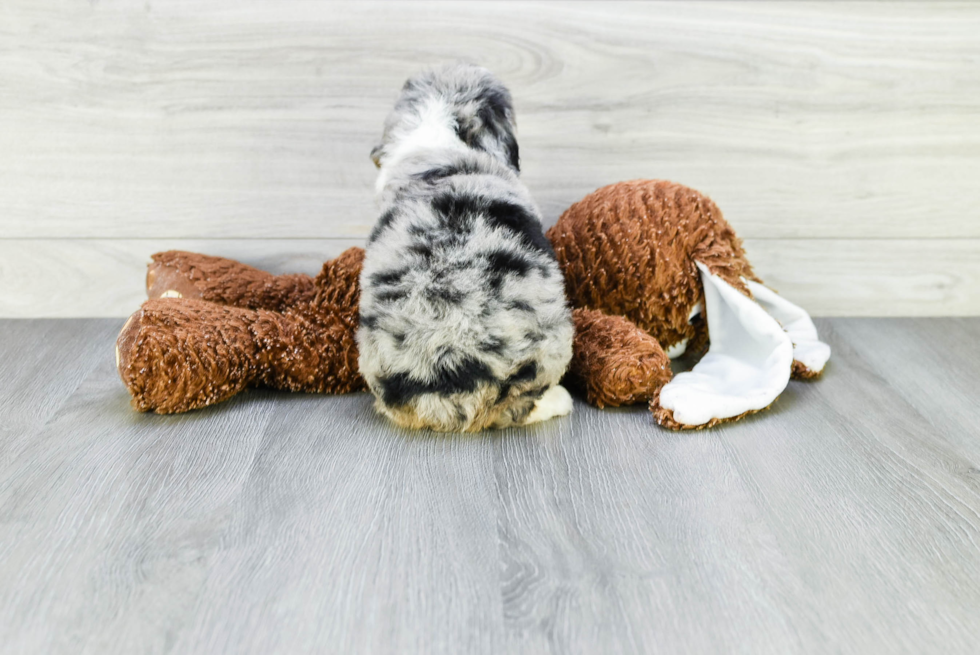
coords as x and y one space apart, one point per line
464 323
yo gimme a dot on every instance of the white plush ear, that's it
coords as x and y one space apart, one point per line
808 350
747 365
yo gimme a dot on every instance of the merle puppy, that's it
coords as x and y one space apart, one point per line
464 323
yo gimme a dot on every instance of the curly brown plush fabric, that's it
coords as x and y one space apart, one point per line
614 362
178 353
629 249
225 281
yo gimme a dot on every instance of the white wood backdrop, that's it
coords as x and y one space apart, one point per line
841 140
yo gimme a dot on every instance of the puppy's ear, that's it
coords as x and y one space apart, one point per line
509 143
376 155
498 127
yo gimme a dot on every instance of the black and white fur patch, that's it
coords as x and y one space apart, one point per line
464 323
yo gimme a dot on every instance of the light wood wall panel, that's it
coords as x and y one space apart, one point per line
842 277
247 119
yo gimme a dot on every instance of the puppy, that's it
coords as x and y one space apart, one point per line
463 319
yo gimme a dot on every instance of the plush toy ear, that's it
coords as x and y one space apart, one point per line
810 354
746 367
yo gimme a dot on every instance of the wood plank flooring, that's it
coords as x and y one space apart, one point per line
846 519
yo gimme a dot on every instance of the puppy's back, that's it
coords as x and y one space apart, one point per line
463 314
464 323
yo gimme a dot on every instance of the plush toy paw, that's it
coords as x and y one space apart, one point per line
614 363
175 355
180 274
168 281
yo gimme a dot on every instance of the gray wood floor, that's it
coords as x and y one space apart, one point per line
847 519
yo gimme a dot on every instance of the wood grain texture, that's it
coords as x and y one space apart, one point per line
237 119
846 519
872 277
240 119
856 277
938 376
28 399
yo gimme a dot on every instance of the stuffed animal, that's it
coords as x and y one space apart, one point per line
651 270
660 255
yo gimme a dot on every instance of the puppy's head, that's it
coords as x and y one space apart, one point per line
460 102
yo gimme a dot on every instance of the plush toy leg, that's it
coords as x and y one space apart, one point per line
614 362
175 355
179 274
810 354
747 365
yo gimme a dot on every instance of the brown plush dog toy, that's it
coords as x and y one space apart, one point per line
651 269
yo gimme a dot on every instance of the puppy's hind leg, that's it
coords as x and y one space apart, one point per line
556 401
